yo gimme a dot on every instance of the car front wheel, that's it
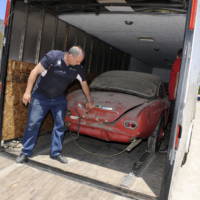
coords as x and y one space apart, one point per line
154 141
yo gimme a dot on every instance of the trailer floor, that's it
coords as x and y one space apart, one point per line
114 170
22 182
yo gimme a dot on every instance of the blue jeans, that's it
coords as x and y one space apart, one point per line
38 108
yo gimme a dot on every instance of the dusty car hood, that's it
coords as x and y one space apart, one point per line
108 105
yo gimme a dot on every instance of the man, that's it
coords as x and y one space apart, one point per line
173 81
56 71
172 89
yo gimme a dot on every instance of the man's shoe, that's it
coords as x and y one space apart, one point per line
22 158
60 158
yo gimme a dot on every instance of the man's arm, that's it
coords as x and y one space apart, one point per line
86 91
38 69
176 84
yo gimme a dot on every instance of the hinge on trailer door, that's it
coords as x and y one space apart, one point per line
4 41
172 154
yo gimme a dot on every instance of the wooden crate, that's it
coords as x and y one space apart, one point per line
15 113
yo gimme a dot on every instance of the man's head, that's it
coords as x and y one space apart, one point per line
179 53
74 56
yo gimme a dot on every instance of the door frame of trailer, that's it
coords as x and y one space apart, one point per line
4 57
175 156
184 112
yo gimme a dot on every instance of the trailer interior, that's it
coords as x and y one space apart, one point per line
136 35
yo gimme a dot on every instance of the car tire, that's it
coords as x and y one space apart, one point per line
154 141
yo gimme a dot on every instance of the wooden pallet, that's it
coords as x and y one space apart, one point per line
15 113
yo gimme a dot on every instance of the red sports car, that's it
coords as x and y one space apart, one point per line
128 105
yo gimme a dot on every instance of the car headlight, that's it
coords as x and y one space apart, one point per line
130 124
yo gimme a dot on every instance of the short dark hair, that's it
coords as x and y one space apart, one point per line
180 52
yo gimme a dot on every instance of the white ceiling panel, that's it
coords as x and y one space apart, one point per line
111 1
166 30
119 8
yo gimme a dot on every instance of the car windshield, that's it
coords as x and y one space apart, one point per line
129 82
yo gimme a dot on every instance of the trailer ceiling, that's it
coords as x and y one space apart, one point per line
151 31
105 6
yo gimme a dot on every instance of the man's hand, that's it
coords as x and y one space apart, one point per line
26 98
38 69
89 105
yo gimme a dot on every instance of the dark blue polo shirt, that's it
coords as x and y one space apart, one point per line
57 76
